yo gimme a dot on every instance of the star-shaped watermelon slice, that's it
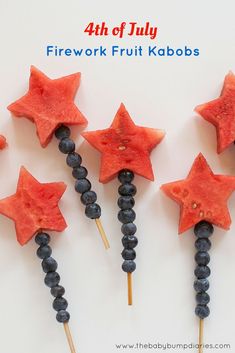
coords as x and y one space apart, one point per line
34 206
221 113
124 145
49 103
202 195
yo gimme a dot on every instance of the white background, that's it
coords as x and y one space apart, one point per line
158 92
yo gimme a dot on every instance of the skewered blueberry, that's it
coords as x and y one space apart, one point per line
126 216
79 173
129 241
128 254
88 197
52 279
60 304
125 176
82 185
202 244
127 190
42 238
57 291
62 132
62 316
125 202
66 145
49 264
201 285
203 229
73 160
202 298
129 229
128 266
202 272
202 258
93 211
44 251
202 311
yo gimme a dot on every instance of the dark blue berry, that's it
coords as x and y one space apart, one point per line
82 185
52 279
93 211
126 216
62 316
201 285
202 311
202 298
203 244
129 229
57 291
125 176
66 145
202 258
127 190
44 251
60 304
129 241
128 254
125 202
42 238
128 266
202 272
79 173
49 264
73 160
62 132
88 197
203 229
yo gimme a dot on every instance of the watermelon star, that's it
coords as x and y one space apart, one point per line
124 145
221 113
202 196
49 103
34 206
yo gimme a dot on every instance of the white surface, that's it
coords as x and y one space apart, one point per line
158 93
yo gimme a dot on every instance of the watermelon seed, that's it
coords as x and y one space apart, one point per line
201 214
194 205
122 148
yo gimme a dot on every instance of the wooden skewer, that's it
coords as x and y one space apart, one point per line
129 286
201 331
69 337
102 233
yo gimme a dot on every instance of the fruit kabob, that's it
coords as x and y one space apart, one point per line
50 105
125 149
34 209
202 198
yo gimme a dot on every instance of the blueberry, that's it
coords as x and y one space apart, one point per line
125 202
129 229
49 264
202 272
62 316
79 173
127 190
202 258
128 266
88 197
62 132
203 244
44 251
42 238
201 285
93 211
202 298
125 176
57 291
73 160
129 241
202 311
66 145
60 304
128 254
82 185
52 279
126 216
203 229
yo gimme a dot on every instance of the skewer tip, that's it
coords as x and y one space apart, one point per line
201 331
102 233
129 286
69 337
